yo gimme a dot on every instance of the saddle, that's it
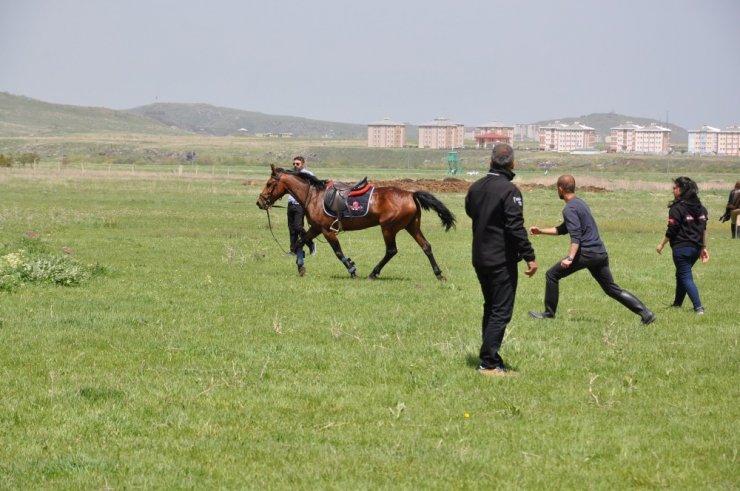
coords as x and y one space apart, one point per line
336 198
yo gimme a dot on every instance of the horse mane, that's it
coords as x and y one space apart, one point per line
312 180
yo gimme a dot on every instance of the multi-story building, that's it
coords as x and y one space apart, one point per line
622 137
703 140
488 134
386 134
728 141
653 139
526 132
441 133
560 137
713 141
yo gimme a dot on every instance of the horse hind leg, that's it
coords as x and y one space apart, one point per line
415 232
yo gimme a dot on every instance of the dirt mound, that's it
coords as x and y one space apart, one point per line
454 185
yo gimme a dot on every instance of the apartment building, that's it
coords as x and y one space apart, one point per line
442 133
622 137
489 134
714 141
386 134
561 137
634 138
653 139
728 142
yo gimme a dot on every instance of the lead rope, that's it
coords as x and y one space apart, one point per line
269 223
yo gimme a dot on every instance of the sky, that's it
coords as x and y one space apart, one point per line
472 61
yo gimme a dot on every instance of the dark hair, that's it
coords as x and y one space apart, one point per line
502 156
689 191
298 157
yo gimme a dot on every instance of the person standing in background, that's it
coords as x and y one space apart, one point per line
687 234
732 210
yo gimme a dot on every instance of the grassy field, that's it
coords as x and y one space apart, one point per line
195 358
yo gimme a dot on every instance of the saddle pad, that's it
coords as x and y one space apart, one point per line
357 206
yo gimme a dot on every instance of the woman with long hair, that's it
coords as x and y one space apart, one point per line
687 234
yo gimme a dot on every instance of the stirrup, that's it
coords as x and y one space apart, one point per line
336 226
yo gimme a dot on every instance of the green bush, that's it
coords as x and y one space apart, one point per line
21 267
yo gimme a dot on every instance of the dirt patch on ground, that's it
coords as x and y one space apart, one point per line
454 185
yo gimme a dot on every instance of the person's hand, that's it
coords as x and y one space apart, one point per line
535 230
659 247
565 263
704 255
531 268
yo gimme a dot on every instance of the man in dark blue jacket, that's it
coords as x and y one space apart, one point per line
586 251
499 242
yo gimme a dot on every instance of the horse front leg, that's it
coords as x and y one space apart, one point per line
331 238
389 236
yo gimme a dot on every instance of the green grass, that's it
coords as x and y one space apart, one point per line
199 359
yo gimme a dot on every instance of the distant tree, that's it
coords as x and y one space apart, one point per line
6 161
28 158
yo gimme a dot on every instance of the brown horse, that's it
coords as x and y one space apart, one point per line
392 208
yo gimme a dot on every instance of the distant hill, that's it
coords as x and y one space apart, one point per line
23 116
221 121
603 122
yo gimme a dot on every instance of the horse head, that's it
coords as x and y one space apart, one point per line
274 189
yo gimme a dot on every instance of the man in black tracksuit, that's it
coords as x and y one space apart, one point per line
499 242
586 251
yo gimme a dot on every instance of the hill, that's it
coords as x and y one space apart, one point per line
603 122
23 116
221 121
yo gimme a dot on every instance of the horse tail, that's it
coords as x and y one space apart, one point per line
428 202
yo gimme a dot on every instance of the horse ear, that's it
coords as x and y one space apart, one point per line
272 168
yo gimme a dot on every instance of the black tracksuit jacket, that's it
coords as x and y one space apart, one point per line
499 236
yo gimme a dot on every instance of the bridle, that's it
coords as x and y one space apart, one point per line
268 199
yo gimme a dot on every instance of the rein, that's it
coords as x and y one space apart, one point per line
268 200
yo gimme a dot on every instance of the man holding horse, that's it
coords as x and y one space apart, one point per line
499 242
296 213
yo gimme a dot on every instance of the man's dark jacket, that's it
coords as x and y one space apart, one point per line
499 236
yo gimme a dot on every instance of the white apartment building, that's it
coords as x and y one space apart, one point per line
713 141
386 134
561 137
441 133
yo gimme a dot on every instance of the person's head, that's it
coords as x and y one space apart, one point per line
566 185
299 163
502 156
737 185
685 189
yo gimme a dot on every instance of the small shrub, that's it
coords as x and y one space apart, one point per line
22 267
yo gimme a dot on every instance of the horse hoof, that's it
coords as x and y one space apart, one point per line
441 278
301 270
372 277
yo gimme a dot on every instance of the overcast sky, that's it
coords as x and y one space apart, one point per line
472 61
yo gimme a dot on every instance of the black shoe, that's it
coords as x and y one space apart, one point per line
648 319
699 310
541 315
